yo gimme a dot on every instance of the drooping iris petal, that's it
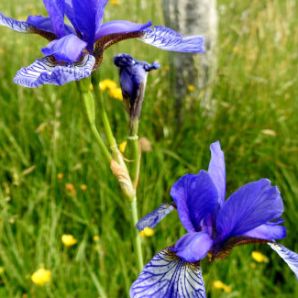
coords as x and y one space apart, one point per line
196 199
290 257
170 40
43 71
45 24
167 276
55 9
88 16
193 247
217 171
252 205
269 232
13 24
119 26
154 217
67 49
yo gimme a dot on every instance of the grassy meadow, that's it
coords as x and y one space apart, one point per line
53 180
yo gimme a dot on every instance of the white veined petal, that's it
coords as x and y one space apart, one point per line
167 276
44 71
13 24
154 217
290 257
170 40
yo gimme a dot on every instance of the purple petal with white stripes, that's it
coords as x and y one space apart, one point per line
290 257
44 71
154 217
20 26
167 276
170 40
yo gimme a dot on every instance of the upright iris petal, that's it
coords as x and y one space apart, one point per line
196 198
55 9
88 16
252 205
217 171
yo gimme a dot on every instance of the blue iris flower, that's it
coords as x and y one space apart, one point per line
76 50
252 214
133 77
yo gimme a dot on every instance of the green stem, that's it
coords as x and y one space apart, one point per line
90 111
136 153
106 123
117 156
138 244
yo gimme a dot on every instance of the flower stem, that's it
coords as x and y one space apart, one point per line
138 244
88 100
106 123
136 152
127 186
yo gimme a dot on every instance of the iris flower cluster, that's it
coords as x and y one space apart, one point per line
252 214
75 50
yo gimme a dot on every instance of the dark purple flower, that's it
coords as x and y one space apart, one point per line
76 50
252 214
133 78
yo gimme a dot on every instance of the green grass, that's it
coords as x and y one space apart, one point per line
44 132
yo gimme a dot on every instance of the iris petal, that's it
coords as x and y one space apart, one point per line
167 276
43 71
154 217
290 257
269 232
252 205
55 10
217 171
13 24
88 16
193 247
67 49
170 40
45 24
119 26
196 199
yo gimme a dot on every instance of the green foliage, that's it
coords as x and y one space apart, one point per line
44 132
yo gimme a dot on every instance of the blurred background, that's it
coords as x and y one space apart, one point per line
53 181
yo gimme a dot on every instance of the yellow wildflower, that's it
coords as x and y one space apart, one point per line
217 284
115 2
60 176
191 88
96 238
83 187
259 257
68 240
70 189
122 146
147 232
107 84
116 93
41 277
2 270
